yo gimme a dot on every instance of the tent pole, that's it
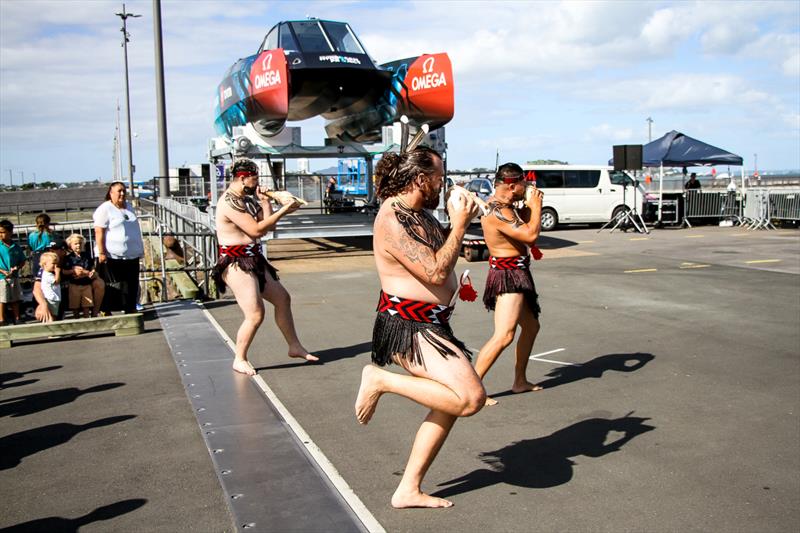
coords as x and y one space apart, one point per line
660 192
744 187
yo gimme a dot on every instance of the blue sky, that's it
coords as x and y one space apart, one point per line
536 80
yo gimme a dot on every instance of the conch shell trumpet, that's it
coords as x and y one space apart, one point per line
457 191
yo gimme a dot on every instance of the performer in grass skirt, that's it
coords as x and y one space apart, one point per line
244 215
510 235
415 259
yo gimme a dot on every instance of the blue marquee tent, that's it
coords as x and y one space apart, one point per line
678 150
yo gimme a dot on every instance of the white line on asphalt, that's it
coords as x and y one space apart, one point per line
355 503
538 357
552 361
548 353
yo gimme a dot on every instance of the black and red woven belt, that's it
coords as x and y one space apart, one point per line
240 250
517 262
414 310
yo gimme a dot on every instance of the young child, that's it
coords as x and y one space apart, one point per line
40 239
12 258
51 281
79 269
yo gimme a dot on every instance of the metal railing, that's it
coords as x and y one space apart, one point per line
194 230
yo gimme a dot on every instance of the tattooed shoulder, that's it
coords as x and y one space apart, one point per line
235 201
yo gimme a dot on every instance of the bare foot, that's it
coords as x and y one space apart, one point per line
525 387
244 367
417 499
299 352
490 401
368 394
308 357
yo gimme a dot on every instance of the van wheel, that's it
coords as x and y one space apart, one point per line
549 219
619 212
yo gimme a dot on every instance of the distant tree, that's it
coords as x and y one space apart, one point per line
27 186
547 162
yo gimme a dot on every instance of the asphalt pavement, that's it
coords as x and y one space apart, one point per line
670 361
681 414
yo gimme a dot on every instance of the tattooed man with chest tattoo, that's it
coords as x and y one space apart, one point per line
415 258
244 215
510 290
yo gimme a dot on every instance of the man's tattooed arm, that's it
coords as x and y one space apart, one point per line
405 241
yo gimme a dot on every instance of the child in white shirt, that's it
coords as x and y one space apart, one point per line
51 281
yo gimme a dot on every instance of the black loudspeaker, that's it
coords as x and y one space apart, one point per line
633 157
628 157
619 157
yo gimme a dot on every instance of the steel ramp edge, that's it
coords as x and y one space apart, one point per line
269 479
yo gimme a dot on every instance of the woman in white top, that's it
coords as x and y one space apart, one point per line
119 248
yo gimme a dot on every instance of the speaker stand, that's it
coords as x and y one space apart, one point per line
631 216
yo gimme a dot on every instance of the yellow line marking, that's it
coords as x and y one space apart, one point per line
584 242
764 261
640 239
742 234
694 236
641 270
695 266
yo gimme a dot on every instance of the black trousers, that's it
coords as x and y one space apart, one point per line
122 284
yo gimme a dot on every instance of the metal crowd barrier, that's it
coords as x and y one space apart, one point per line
712 204
785 205
763 205
757 212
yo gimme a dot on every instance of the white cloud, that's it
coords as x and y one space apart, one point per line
528 74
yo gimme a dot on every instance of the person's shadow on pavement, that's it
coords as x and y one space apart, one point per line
70 525
618 362
41 401
5 377
326 356
17 446
562 375
545 462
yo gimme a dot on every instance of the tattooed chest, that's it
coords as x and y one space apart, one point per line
420 226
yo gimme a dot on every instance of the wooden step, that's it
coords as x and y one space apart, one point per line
121 325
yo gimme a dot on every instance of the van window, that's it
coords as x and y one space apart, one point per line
620 178
583 179
549 179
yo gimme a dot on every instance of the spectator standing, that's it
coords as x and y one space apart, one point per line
12 259
39 239
85 287
693 182
51 281
119 247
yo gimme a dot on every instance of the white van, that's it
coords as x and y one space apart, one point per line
582 193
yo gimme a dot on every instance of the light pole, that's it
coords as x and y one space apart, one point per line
649 129
124 16
163 155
